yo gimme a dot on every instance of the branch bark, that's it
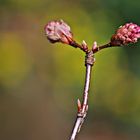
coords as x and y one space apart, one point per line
89 61
59 31
82 109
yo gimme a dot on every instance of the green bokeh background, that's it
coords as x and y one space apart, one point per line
40 82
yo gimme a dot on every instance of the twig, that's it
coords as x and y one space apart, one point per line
82 109
59 31
95 50
89 61
82 46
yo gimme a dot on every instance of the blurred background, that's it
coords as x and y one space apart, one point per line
40 82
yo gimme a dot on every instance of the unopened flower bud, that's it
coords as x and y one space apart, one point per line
128 33
94 47
79 105
58 31
84 45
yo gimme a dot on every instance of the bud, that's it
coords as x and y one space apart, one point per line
94 47
84 46
58 31
128 33
79 105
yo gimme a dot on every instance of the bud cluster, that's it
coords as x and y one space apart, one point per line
128 33
58 31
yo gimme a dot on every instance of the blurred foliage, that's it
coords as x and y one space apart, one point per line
40 82
14 61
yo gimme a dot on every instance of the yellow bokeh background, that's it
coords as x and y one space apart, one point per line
40 82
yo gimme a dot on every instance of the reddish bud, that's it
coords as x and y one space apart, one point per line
94 47
79 105
128 33
58 31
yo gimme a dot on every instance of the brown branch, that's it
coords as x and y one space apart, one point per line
59 31
82 109
95 50
102 47
89 61
82 46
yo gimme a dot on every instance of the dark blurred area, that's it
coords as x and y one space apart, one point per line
41 82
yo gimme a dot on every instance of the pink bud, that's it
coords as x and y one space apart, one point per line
58 31
94 45
128 33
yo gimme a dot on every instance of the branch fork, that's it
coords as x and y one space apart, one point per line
59 31
83 108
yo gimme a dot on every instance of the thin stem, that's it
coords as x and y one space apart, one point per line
89 61
86 87
82 112
95 50
77 45
102 47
